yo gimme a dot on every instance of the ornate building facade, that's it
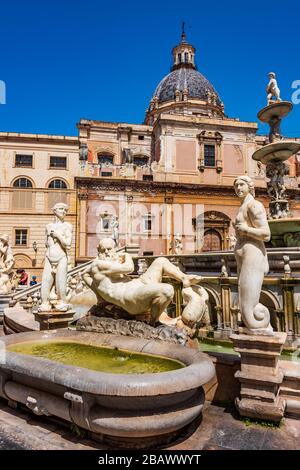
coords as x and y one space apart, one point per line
168 178
36 172
172 175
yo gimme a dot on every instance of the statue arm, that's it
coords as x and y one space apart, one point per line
261 229
115 267
65 238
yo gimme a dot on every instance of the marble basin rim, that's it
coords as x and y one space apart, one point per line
124 410
280 151
198 371
276 109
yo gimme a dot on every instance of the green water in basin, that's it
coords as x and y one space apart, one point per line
214 347
115 361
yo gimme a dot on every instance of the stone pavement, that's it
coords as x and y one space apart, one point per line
220 429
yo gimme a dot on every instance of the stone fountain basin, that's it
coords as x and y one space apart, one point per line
276 151
119 408
278 109
285 232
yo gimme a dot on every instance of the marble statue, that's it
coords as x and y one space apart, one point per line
83 152
178 246
128 157
195 312
272 88
232 241
114 226
108 278
58 242
252 230
6 265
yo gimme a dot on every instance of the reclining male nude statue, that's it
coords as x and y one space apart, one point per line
107 277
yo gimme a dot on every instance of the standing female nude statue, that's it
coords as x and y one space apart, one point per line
58 242
252 230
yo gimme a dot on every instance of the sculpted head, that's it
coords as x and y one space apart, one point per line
271 75
243 185
60 209
106 248
4 239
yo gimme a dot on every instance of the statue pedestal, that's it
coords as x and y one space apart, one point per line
260 377
54 319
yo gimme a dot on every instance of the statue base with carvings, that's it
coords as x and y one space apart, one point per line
260 376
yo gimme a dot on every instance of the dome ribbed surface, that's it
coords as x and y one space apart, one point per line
185 78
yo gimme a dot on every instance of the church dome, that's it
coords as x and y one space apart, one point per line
184 90
182 79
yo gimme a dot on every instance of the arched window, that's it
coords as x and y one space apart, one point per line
179 57
57 184
20 199
105 159
60 195
22 183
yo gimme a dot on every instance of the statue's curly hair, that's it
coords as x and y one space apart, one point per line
249 182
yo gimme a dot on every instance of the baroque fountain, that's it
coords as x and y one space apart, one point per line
130 383
129 373
285 229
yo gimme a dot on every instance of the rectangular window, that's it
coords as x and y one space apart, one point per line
21 236
106 173
209 155
23 160
147 253
141 137
58 162
147 177
147 222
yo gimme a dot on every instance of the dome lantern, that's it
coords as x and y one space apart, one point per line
183 54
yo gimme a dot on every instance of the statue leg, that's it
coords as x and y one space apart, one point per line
61 281
160 302
47 284
163 267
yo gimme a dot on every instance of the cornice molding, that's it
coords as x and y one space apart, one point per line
92 185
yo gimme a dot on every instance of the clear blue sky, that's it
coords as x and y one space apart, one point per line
66 60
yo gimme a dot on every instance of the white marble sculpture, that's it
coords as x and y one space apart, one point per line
107 277
272 88
114 226
232 241
6 265
58 242
252 230
178 246
195 299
